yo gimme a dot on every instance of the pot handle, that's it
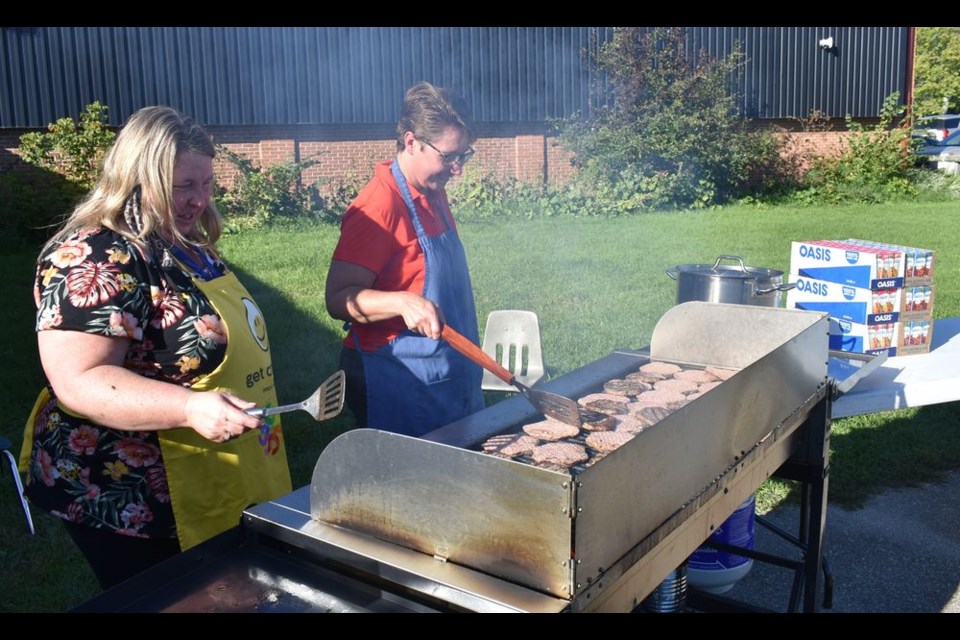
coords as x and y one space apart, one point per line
743 267
786 286
672 273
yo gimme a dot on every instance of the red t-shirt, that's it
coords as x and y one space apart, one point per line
377 233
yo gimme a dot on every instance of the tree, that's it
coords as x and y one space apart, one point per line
937 69
671 136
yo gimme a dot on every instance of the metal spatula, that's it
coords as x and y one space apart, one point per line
549 404
326 402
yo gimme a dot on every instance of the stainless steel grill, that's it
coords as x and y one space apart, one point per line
444 525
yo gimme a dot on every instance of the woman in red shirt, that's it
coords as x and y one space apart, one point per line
399 273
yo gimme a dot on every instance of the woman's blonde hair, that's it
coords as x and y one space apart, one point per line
143 157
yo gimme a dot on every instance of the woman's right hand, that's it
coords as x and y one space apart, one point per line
93 382
218 416
350 297
421 315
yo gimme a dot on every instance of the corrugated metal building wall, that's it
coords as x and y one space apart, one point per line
357 75
289 75
788 73
275 94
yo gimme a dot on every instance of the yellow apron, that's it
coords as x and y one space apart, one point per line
210 483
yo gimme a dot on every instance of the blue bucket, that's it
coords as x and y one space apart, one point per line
716 571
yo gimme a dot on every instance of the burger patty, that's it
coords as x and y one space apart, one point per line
608 440
629 423
721 374
699 376
494 443
605 403
596 421
511 444
626 387
663 368
522 445
647 377
561 454
551 430
665 398
649 416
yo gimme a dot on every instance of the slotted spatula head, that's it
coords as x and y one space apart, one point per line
327 401
552 405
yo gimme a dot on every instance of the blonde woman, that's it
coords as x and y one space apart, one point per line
140 442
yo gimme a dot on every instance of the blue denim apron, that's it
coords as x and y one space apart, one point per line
416 384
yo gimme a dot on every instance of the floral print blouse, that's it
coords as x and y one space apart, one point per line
97 281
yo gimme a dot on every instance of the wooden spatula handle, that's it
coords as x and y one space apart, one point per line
475 353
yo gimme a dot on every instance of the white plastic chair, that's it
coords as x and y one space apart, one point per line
5 453
512 338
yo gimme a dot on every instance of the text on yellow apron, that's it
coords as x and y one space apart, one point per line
212 483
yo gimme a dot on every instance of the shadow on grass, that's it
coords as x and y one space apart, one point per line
304 355
873 453
908 448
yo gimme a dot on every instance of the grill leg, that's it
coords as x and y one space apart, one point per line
819 434
810 466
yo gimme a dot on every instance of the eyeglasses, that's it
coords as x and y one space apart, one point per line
450 159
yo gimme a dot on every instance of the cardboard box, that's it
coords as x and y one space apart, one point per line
916 303
918 263
845 302
898 338
915 337
863 306
860 263
857 337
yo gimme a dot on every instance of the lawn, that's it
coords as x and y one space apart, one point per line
596 285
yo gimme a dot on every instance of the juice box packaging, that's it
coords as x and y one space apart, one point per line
856 337
852 265
863 263
918 263
846 302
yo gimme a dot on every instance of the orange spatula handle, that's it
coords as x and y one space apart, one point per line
475 353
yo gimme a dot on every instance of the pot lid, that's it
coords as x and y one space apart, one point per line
740 270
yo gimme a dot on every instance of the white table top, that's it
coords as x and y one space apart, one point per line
910 381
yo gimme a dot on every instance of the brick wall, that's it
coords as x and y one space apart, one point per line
9 150
801 147
342 153
350 152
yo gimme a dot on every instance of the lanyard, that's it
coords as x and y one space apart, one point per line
208 270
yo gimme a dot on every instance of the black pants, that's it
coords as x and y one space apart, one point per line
356 394
114 557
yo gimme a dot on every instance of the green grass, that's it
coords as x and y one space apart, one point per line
596 285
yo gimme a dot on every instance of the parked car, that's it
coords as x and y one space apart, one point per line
936 127
941 154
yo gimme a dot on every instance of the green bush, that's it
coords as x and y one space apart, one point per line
261 195
68 158
338 194
478 195
73 149
876 166
669 134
